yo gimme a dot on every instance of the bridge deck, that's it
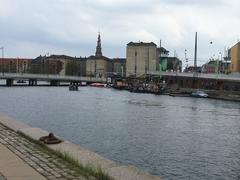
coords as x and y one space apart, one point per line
45 77
198 75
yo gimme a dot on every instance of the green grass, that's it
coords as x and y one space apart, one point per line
73 164
86 171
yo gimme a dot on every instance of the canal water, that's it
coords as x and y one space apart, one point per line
173 137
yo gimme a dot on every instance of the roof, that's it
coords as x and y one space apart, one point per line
61 56
173 59
121 60
237 44
66 57
141 44
56 57
162 49
99 58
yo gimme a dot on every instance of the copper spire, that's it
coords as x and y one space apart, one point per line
98 48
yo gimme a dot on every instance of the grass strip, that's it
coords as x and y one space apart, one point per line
86 171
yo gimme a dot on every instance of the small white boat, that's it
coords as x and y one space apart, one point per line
199 93
83 84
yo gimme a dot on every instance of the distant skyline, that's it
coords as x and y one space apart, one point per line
30 28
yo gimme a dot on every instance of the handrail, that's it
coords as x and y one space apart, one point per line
51 77
197 75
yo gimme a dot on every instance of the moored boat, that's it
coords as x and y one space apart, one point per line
198 93
21 81
73 87
98 85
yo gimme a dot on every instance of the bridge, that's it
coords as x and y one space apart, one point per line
198 75
201 80
53 79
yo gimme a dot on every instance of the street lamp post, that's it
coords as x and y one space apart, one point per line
195 56
2 48
218 62
186 59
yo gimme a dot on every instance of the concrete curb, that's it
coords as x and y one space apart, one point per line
84 156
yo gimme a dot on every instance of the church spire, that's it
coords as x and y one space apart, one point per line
98 48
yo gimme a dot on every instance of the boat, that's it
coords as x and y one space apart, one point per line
178 94
199 93
21 81
73 87
98 85
83 84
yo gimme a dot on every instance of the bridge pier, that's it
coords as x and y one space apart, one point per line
9 82
54 83
32 82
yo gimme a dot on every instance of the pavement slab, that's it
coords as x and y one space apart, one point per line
12 167
21 159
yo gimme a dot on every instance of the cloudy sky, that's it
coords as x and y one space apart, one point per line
29 28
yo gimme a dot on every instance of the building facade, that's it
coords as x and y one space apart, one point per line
119 66
15 65
235 58
98 66
141 58
174 64
163 58
216 66
59 64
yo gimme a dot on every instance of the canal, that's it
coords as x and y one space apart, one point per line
173 137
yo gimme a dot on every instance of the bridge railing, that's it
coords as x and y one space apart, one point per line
48 77
199 75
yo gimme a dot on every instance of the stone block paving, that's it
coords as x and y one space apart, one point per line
48 165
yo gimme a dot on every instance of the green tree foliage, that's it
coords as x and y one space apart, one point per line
73 68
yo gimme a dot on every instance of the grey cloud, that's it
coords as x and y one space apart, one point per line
204 3
71 26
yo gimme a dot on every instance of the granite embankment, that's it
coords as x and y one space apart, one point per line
50 166
214 94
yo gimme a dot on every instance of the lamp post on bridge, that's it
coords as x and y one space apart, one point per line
2 48
195 56
219 62
186 59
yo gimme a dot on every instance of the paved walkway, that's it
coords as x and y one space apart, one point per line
14 168
21 159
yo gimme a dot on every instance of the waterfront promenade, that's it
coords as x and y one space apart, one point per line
22 158
13 167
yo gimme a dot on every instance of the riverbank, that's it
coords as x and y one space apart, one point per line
154 85
50 165
213 94
186 92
